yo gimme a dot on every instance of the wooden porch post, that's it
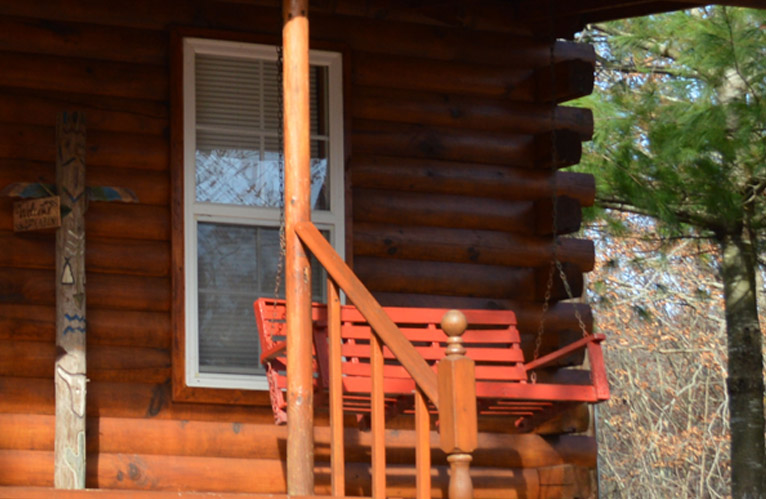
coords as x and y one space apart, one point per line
69 374
300 404
457 406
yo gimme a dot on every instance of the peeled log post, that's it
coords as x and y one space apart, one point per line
70 371
457 409
300 403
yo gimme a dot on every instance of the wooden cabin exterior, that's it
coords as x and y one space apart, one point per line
451 153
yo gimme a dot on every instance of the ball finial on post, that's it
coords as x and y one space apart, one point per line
453 325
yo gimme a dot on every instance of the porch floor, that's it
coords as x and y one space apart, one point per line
51 493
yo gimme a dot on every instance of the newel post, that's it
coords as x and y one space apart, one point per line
457 406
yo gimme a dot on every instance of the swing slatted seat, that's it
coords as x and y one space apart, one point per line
503 384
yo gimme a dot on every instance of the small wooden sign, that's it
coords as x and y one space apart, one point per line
37 214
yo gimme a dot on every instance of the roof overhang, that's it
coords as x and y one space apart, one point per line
570 16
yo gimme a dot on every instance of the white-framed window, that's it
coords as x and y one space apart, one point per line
233 195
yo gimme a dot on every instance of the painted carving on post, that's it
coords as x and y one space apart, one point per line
70 379
72 196
74 324
72 470
67 277
75 384
75 461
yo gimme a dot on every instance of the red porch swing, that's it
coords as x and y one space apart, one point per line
504 380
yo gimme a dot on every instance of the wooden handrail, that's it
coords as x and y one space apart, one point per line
455 384
381 323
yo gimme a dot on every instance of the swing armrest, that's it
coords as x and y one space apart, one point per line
563 352
277 349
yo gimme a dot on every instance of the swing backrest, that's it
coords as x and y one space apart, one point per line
491 340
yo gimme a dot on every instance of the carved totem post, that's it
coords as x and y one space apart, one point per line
42 212
70 378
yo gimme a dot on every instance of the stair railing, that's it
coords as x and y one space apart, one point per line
452 391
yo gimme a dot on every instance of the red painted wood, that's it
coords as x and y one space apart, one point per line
598 371
483 336
492 341
564 351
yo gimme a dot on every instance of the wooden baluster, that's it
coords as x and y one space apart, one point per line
457 406
422 446
378 417
337 461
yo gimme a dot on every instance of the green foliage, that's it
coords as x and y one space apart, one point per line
680 112
680 108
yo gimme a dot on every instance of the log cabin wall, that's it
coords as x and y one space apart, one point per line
449 136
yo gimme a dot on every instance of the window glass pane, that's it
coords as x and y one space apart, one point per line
269 253
237 264
227 278
227 257
238 126
228 337
320 175
238 172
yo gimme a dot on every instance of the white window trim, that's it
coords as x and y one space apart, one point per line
332 221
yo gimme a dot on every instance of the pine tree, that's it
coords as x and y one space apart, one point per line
680 111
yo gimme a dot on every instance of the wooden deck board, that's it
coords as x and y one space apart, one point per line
50 493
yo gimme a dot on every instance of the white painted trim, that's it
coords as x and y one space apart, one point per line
332 220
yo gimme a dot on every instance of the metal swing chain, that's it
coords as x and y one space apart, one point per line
281 172
555 263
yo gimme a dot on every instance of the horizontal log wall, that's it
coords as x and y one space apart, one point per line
220 456
450 135
453 171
